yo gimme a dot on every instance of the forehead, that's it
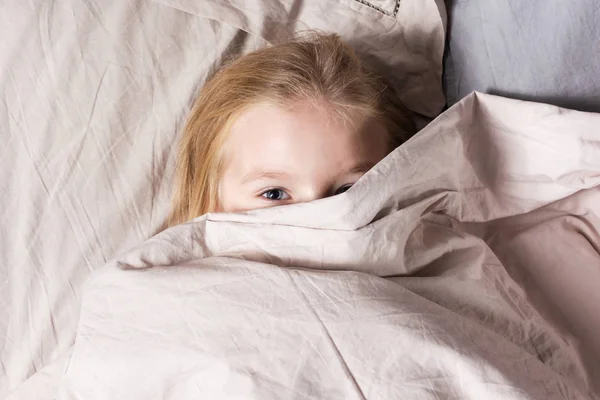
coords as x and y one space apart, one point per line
302 137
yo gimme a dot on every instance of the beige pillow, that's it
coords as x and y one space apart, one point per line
405 36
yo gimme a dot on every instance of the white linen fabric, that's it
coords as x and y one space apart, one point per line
464 265
93 96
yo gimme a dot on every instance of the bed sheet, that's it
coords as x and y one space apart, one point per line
539 50
445 272
94 94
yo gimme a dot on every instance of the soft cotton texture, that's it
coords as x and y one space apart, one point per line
93 97
537 50
464 265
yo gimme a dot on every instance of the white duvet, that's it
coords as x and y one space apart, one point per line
435 277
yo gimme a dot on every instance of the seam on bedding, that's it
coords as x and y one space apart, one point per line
381 10
396 8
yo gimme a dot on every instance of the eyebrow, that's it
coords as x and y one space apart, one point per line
262 174
360 168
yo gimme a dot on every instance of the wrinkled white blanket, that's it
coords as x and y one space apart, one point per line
464 265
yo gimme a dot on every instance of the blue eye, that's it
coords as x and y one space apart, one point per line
275 195
344 188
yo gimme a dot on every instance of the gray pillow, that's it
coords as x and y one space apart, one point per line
540 50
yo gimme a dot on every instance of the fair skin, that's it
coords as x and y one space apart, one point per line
278 156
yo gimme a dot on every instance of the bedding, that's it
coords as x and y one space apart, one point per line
538 50
464 265
94 94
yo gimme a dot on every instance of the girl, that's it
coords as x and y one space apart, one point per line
289 123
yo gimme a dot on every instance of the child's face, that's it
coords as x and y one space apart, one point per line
277 156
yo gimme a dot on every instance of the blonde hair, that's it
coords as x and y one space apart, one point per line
317 67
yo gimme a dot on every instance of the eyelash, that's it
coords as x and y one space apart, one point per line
272 190
347 186
262 194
